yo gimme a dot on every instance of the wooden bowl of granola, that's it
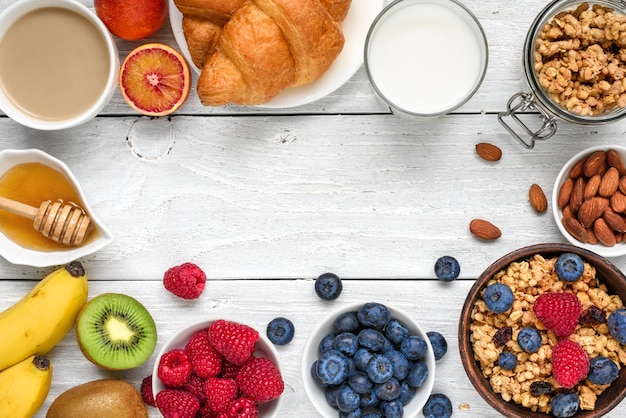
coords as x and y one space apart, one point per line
530 272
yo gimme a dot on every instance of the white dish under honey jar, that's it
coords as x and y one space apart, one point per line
30 177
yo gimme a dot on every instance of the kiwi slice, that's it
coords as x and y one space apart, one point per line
116 332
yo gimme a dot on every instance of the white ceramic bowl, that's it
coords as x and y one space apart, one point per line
325 327
17 254
620 248
18 9
264 348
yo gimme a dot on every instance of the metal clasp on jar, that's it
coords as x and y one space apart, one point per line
522 103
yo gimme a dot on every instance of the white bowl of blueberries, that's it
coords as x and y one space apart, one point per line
372 360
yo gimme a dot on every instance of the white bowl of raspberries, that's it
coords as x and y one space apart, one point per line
371 354
217 367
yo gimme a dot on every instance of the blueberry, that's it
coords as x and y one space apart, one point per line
326 343
379 369
564 405
347 399
392 409
372 339
407 392
347 343
346 322
315 376
418 373
438 405
357 413
498 297
328 286
529 339
395 331
373 415
369 400
617 325
569 267
360 383
332 367
507 360
414 347
447 268
602 370
389 390
374 315
438 343
331 395
280 331
399 363
362 357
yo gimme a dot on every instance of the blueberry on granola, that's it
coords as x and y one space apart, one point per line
617 325
507 360
602 370
529 339
498 297
569 267
565 404
447 268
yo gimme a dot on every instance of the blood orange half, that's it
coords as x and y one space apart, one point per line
155 79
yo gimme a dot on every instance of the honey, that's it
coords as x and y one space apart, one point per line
33 183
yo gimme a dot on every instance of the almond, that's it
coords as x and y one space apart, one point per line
622 184
591 209
578 194
591 237
577 169
595 163
488 152
565 192
591 188
615 221
575 229
484 229
537 198
604 234
618 202
613 159
609 183
567 212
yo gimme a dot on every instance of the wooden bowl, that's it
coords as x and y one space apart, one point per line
608 273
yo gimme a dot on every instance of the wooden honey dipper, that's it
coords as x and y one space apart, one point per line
66 224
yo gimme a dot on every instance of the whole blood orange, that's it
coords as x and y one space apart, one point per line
132 19
155 79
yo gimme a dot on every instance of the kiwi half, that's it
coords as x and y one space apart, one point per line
116 332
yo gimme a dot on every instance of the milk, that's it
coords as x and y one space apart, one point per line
426 58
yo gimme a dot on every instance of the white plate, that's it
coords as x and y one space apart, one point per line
355 27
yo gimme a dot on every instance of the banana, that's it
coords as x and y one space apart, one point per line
24 387
44 316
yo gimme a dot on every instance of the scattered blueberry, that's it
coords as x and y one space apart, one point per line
328 286
389 390
439 344
346 322
414 347
327 343
379 369
447 268
332 367
498 297
438 405
529 339
565 405
360 383
399 363
617 325
602 370
507 360
347 343
395 331
280 331
392 409
569 267
347 399
418 373
374 315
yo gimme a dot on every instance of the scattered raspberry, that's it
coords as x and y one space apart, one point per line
205 360
236 342
502 336
558 312
146 391
220 393
259 379
242 408
195 386
186 281
174 403
592 316
229 370
174 368
570 363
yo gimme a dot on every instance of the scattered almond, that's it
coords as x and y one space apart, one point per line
537 198
488 152
484 229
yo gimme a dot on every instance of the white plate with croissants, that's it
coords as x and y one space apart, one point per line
271 53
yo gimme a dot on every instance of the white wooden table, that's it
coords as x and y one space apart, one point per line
266 200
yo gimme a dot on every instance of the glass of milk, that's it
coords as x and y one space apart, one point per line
425 57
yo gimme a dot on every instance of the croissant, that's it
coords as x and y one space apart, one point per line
265 47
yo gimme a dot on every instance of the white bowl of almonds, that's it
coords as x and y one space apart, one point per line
589 200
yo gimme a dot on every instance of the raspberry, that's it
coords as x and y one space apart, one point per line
229 370
570 363
220 393
242 408
173 403
174 368
236 342
205 360
146 391
259 379
186 281
195 386
558 312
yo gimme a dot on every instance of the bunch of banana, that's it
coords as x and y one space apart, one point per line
24 387
44 316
